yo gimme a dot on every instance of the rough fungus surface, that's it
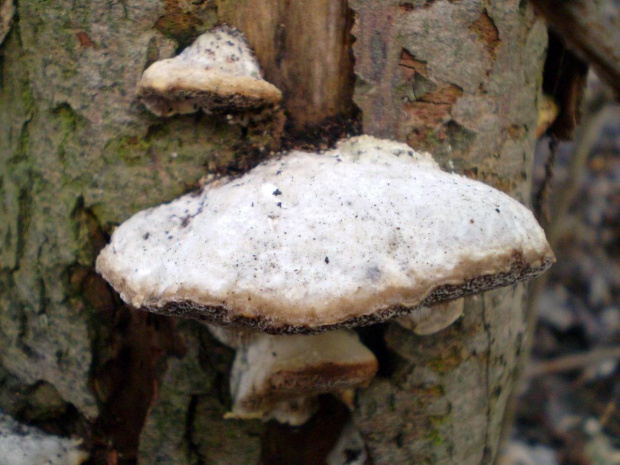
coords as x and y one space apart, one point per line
313 241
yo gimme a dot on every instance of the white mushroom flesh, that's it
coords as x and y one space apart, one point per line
224 50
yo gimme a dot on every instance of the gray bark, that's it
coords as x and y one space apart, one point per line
78 155
460 79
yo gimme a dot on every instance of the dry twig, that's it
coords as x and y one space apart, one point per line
572 362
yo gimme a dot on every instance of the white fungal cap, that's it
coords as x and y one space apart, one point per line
359 234
24 445
279 377
218 73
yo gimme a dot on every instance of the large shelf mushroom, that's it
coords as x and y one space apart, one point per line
309 242
218 74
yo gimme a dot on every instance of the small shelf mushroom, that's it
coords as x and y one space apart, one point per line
280 377
218 73
308 242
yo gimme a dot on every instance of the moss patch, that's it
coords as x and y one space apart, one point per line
132 150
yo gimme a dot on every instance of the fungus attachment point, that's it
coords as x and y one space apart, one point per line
430 320
218 74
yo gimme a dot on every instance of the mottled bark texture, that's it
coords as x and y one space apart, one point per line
460 79
79 154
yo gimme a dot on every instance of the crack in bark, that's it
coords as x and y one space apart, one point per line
42 298
487 332
193 447
24 214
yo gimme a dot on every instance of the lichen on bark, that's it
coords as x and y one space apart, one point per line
79 154
190 411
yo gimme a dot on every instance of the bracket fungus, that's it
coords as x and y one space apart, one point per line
308 242
218 73
280 377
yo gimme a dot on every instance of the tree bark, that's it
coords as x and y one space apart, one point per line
79 154
460 79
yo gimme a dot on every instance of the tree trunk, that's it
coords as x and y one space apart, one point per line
79 154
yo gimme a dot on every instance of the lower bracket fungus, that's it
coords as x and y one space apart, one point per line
280 377
218 73
308 242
